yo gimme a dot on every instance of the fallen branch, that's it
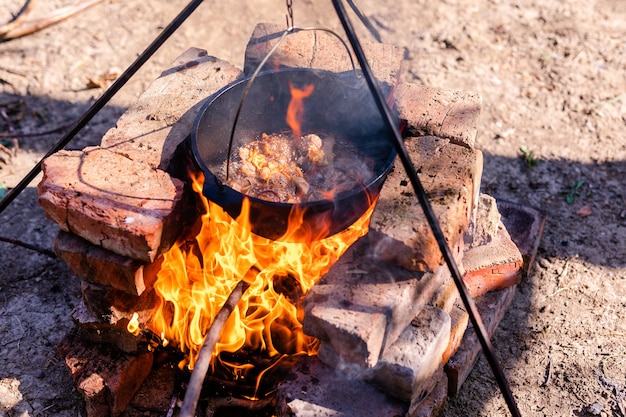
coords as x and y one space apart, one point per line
201 366
26 27
35 134
15 242
18 19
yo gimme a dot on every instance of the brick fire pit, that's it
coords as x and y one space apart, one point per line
394 336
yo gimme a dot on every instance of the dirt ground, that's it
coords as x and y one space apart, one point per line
552 75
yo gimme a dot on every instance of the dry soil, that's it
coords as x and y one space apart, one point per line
552 75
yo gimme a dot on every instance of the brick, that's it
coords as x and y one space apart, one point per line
363 304
314 389
447 294
484 227
157 390
319 50
111 306
163 116
407 367
450 175
491 307
121 205
100 266
459 319
433 404
105 377
493 266
91 328
449 114
525 225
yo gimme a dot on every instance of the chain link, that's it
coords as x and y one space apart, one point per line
289 16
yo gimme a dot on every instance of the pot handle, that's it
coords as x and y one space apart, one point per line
291 29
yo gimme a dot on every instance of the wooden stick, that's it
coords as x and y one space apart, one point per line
16 242
31 26
17 20
201 367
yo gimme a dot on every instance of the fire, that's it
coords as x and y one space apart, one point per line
198 274
295 110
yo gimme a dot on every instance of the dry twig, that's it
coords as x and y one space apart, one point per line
202 363
19 27
15 242
18 19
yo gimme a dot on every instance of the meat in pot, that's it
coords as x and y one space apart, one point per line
277 168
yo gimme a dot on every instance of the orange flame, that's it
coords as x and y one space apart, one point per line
295 110
198 274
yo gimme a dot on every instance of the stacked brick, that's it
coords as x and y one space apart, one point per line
120 206
387 312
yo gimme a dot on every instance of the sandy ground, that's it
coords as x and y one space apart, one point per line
552 76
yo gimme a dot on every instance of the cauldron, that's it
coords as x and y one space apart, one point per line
340 104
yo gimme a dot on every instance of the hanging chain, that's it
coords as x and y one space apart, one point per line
289 16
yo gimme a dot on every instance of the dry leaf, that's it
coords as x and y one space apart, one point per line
584 211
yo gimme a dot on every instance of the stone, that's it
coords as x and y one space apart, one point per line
363 304
100 266
121 205
493 266
407 367
450 175
319 50
162 118
106 378
314 389
449 114
491 307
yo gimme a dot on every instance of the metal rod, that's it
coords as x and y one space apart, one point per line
201 366
103 100
428 212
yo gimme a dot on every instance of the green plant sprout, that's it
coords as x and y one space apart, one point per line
528 156
573 191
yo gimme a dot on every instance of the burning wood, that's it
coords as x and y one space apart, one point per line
202 365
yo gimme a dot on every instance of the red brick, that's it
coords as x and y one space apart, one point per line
113 202
100 266
445 113
319 50
491 307
434 403
363 304
153 127
93 329
450 175
459 318
105 377
111 306
493 266
484 227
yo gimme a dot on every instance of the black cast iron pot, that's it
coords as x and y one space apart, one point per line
340 104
